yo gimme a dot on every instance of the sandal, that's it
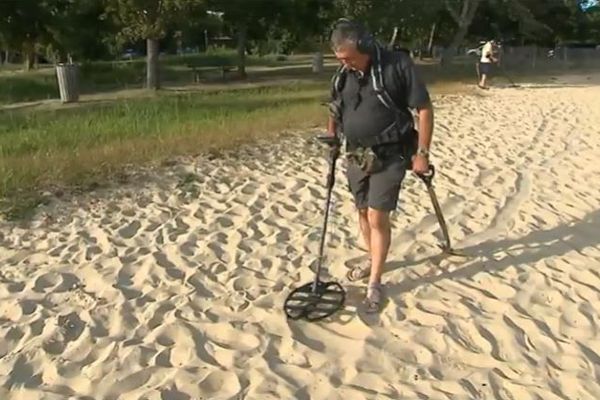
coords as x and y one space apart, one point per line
359 272
373 299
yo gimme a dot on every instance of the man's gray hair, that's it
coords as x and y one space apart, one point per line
346 33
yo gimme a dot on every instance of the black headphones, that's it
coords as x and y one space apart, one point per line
366 41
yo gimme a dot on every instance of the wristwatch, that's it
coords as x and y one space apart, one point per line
421 151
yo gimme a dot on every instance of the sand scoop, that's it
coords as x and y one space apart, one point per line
318 299
446 246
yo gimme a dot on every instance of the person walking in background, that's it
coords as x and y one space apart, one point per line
488 58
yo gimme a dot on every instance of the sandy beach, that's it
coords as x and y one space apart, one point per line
171 286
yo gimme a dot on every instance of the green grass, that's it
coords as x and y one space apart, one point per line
99 76
86 144
27 87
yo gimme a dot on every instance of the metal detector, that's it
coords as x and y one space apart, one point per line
512 83
318 299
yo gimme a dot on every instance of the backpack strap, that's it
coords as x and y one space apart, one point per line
339 79
377 80
404 121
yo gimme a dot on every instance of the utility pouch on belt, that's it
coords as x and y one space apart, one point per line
366 159
373 159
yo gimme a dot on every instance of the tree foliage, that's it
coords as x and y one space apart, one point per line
93 29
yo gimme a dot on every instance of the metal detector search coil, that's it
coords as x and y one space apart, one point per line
310 304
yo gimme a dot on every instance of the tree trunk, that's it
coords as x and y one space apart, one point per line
152 78
431 36
29 54
459 36
394 36
463 20
241 50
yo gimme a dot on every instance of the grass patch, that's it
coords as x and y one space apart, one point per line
27 87
82 145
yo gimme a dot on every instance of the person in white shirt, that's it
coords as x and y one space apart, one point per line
485 63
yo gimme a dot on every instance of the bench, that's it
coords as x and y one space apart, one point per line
197 70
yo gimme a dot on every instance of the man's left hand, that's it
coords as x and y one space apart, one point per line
420 164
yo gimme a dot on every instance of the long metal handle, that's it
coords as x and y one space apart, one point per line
330 183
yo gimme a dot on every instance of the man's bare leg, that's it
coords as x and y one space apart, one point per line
380 238
363 222
483 80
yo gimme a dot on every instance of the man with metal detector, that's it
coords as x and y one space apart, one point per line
373 93
488 58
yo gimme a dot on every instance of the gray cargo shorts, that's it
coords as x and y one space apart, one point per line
380 190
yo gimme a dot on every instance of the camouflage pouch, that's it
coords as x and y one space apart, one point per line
366 159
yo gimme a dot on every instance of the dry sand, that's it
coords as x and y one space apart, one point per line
172 287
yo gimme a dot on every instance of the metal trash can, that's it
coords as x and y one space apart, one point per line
68 82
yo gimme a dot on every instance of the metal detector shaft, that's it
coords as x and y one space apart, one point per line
506 75
333 155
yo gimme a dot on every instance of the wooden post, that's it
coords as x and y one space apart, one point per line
152 81
241 50
317 63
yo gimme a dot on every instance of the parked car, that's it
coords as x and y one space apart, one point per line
130 54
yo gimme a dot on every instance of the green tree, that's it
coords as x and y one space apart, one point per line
24 26
147 20
250 20
77 29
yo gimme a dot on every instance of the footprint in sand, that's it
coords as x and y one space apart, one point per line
22 375
180 347
198 280
11 310
163 261
173 393
574 324
220 384
57 282
130 230
160 314
225 335
70 327
467 336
